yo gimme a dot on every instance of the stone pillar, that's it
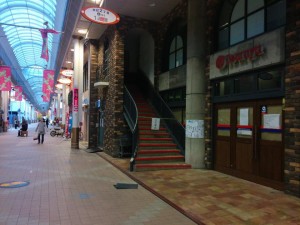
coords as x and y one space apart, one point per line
58 103
78 68
63 114
195 85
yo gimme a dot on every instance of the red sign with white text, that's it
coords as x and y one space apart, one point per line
75 99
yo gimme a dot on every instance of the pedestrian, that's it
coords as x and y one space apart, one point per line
47 122
24 126
16 123
41 130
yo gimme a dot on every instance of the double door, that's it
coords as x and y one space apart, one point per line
249 140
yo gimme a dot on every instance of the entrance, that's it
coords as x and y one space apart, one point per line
249 141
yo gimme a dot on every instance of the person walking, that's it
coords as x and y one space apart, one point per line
41 130
16 123
47 122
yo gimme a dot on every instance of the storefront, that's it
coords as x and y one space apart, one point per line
248 109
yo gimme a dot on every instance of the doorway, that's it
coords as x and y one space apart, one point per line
249 141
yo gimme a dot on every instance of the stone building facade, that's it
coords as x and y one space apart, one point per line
114 43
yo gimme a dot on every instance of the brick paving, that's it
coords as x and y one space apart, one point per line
71 187
75 187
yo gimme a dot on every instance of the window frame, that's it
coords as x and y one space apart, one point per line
226 25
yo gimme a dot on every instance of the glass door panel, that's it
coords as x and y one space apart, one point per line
271 127
244 122
223 123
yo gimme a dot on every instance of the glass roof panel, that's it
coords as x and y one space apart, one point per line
21 21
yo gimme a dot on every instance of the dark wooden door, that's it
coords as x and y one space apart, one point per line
249 140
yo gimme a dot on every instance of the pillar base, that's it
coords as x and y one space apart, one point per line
75 138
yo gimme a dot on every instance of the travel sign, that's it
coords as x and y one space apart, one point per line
100 15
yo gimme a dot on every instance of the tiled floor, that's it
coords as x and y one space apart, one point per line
71 187
213 198
74 187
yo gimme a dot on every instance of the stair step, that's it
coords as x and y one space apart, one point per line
148 128
157 145
153 159
151 167
159 152
155 133
155 139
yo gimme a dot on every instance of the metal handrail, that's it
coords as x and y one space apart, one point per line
175 128
131 116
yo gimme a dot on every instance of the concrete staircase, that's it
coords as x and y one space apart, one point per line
157 150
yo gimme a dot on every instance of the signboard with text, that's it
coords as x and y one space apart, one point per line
75 100
100 15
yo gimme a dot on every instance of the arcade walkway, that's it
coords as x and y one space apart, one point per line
73 187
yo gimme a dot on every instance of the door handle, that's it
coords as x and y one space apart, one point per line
255 142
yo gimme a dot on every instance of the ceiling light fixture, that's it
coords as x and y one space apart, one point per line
152 4
82 31
64 80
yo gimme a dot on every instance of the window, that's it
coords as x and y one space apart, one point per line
175 45
248 18
85 77
251 84
176 53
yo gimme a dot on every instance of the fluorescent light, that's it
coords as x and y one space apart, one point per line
82 31
72 50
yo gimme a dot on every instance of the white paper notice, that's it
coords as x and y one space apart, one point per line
272 121
155 124
244 116
194 129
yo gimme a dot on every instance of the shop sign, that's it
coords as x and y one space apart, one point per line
75 100
67 73
250 54
100 15
265 50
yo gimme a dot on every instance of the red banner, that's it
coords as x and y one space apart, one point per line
18 93
5 80
75 99
48 83
44 33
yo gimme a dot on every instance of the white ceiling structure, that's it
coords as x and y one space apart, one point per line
20 40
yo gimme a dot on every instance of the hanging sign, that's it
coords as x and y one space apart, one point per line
75 99
18 93
5 78
100 15
67 73
155 123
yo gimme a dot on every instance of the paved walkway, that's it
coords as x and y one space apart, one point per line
71 187
74 187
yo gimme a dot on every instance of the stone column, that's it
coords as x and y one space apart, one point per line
63 119
78 70
195 85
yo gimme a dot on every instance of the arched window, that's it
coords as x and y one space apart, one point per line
248 18
175 45
176 52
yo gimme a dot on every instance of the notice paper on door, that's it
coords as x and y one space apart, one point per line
271 121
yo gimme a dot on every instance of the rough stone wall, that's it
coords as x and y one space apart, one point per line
93 112
115 124
292 99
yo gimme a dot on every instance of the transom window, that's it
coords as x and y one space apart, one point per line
176 53
248 18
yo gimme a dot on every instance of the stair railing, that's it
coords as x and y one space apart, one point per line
131 116
175 128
